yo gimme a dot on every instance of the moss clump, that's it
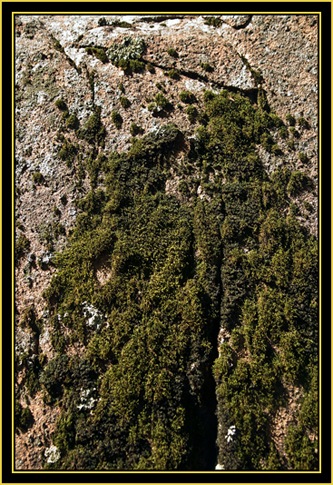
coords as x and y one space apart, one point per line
299 182
22 246
136 129
283 132
213 21
130 49
160 87
98 53
67 153
102 22
23 416
294 132
291 120
162 101
60 104
72 122
302 122
93 130
150 67
172 52
125 102
303 157
58 46
206 67
37 178
192 113
116 119
121 23
187 97
173 74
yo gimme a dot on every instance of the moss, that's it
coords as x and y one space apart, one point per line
136 129
291 144
37 178
160 87
98 53
102 22
121 23
150 68
60 103
162 101
22 246
23 417
213 21
187 97
283 132
116 119
192 113
125 102
172 52
303 157
93 130
58 46
299 182
72 122
294 132
231 255
67 153
173 74
206 67
291 120
302 122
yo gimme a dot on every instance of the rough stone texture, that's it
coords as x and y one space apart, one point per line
284 48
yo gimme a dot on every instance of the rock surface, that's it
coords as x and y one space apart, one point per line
283 48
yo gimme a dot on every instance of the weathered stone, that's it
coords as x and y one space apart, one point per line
236 21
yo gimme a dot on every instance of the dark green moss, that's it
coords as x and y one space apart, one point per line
162 101
93 130
213 21
37 178
303 157
98 53
60 103
67 153
206 67
23 417
291 120
187 97
72 122
192 113
172 52
125 102
22 246
116 119
173 74
135 129
299 182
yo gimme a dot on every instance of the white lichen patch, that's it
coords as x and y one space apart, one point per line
194 85
93 315
230 433
52 454
87 401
